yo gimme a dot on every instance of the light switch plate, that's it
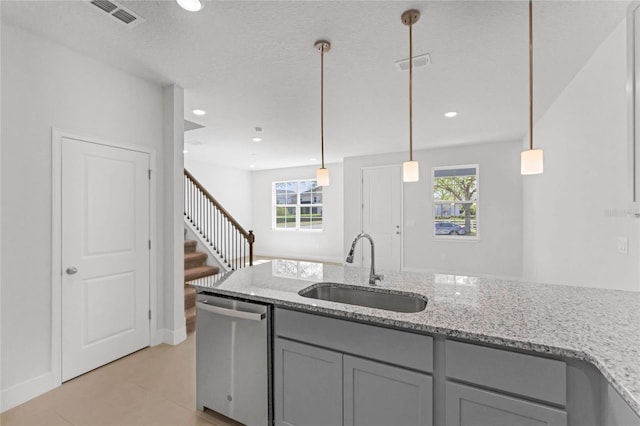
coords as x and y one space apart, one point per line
623 245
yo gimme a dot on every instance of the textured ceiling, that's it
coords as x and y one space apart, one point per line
252 63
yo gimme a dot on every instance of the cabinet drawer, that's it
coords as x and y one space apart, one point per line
535 377
409 350
468 406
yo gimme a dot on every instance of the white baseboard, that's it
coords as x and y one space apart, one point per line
23 392
173 337
331 259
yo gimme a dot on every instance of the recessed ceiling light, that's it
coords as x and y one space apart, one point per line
256 139
251 166
191 5
313 159
199 112
184 151
450 114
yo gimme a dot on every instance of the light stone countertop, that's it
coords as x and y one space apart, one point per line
599 326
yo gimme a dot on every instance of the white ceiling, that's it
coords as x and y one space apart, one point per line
252 63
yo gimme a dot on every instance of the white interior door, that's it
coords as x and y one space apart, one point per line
382 215
105 254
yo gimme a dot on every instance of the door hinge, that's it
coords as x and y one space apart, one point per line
149 244
149 313
149 173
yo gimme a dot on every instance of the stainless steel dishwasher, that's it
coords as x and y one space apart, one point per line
233 355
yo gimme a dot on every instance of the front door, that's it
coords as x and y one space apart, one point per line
382 215
105 254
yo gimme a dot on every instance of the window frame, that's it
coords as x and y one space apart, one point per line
298 206
461 238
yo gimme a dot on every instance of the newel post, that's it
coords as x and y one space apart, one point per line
251 238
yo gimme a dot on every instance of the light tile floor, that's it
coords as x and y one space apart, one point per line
155 386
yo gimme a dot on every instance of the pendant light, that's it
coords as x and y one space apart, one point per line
322 174
410 169
531 160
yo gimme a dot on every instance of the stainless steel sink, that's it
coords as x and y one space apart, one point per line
362 296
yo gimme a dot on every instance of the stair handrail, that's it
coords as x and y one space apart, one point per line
249 235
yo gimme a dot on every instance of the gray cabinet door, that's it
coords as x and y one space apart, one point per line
468 406
307 385
377 394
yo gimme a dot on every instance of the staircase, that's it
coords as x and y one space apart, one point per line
194 267
216 230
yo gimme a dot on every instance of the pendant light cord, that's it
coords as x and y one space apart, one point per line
530 74
411 92
322 101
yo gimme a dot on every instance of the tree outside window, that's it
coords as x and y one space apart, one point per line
455 201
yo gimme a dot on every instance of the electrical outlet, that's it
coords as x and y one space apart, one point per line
623 245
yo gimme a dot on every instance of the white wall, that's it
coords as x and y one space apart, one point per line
231 187
172 239
573 212
498 250
45 85
313 245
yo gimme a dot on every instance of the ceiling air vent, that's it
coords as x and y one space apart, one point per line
115 10
107 6
418 61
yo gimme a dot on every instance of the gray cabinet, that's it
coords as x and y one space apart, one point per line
469 406
321 376
307 385
616 411
330 371
377 394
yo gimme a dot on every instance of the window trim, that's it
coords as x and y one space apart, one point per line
457 238
298 206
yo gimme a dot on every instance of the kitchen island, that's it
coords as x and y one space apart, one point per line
599 327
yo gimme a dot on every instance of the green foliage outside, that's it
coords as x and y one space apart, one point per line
458 189
285 220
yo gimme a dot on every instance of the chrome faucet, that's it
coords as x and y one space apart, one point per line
373 277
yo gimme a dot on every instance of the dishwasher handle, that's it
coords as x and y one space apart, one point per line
252 316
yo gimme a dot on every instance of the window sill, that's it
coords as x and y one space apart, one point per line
296 230
456 238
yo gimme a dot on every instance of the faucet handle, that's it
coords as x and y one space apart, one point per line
374 278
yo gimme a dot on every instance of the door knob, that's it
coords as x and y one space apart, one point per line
72 270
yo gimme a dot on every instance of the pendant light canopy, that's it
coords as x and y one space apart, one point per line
322 174
531 160
410 169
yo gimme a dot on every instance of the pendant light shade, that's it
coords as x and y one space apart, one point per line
532 160
411 168
410 171
322 174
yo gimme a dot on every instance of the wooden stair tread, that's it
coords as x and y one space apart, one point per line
197 255
200 272
190 246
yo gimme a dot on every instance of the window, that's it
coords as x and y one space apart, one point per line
297 205
455 201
